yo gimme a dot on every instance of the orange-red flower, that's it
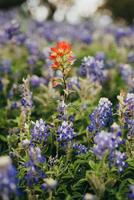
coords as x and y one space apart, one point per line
55 65
65 46
61 55
55 82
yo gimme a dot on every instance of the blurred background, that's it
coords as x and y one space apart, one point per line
74 11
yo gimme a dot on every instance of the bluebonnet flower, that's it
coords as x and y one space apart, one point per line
5 66
93 69
109 142
117 135
32 59
73 83
80 148
34 172
85 37
12 28
19 39
35 155
100 56
3 37
39 132
130 57
126 111
131 194
8 180
35 81
45 55
119 160
71 118
32 48
15 105
65 132
101 116
62 110
129 112
121 33
103 142
127 74
106 141
26 100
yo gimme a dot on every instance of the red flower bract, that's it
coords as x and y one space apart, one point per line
64 46
61 55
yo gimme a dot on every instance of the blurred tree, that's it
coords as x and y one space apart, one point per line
54 4
52 8
6 4
120 9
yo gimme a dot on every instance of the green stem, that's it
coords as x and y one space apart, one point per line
50 195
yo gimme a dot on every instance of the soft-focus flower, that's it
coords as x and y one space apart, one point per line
32 48
131 57
50 183
101 116
131 194
126 111
105 141
100 56
35 81
127 73
73 83
129 112
34 172
8 179
12 28
108 142
89 196
92 68
5 66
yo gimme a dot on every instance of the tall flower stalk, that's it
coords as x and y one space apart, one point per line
62 58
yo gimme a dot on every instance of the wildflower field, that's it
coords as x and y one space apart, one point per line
66 110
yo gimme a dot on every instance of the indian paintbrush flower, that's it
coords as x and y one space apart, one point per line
62 58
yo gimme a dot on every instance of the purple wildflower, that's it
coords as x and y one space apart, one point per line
93 69
34 173
101 116
79 148
131 194
8 179
66 132
40 132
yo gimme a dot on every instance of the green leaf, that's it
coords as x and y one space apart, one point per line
3 138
